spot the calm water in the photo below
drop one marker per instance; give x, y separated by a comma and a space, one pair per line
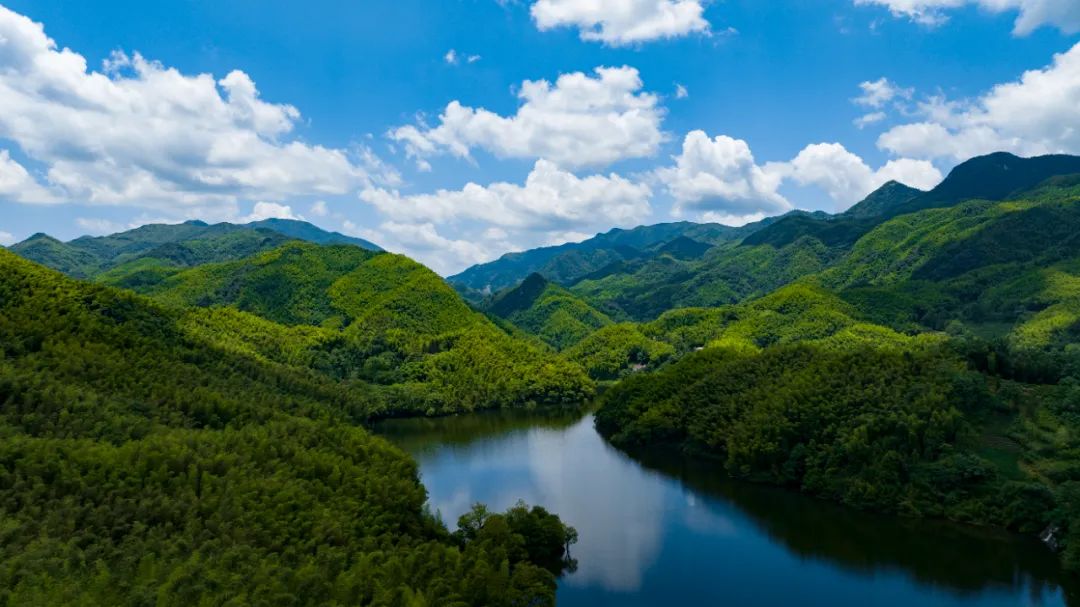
669, 532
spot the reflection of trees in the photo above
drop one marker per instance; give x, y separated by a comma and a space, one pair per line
417, 434
952, 557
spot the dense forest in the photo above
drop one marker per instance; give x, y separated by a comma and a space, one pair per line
183, 412
148, 460
916, 354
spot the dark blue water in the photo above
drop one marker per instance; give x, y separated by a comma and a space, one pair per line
663, 531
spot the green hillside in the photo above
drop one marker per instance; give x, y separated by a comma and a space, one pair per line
136, 255
568, 263
146, 462
925, 367
801, 245
882, 201
548, 311
384, 319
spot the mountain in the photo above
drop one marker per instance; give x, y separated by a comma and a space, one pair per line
383, 319
88, 256
997, 176
920, 370
548, 311
882, 201
682, 247
803, 244
566, 264
178, 467
50, 252
302, 230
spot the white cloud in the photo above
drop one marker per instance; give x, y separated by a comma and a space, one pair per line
847, 179
99, 226
6, 238
579, 121
870, 119
502, 216
472, 58
1037, 114
623, 22
1063, 14
550, 199
877, 93
140, 133
270, 210
18, 185
319, 209
720, 176
681, 92
423, 242
451, 57
720, 180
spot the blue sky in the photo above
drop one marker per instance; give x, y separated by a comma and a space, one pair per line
722, 110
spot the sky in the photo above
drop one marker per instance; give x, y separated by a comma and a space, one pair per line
455, 131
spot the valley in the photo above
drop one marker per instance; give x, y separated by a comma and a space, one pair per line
186, 407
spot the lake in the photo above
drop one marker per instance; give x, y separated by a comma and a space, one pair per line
661, 530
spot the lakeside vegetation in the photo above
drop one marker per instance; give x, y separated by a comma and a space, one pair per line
144, 462
185, 422
921, 363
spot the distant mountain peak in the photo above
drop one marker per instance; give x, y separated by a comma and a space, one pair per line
303, 230
878, 202
684, 247
520, 297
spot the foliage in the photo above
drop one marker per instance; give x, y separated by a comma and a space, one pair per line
884, 428
148, 458
569, 263
382, 319
548, 311
169, 245
616, 350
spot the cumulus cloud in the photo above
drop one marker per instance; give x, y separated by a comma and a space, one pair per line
505, 216
6, 238
1063, 14
681, 92
581, 120
319, 209
1037, 114
876, 94
719, 179
846, 177
721, 176
422, 241
271, 210
139, 133
623, 22
18, 185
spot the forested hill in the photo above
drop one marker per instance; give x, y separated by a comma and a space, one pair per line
749, 262
804, 245
548, 311
567, 263
152, 455
927, 366
172, 245
379, 318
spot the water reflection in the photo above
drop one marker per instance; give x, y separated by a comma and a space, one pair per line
656, 529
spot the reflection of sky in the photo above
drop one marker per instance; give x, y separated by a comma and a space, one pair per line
646, 539
584, 480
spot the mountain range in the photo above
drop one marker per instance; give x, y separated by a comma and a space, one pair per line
173, 245
916, 354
